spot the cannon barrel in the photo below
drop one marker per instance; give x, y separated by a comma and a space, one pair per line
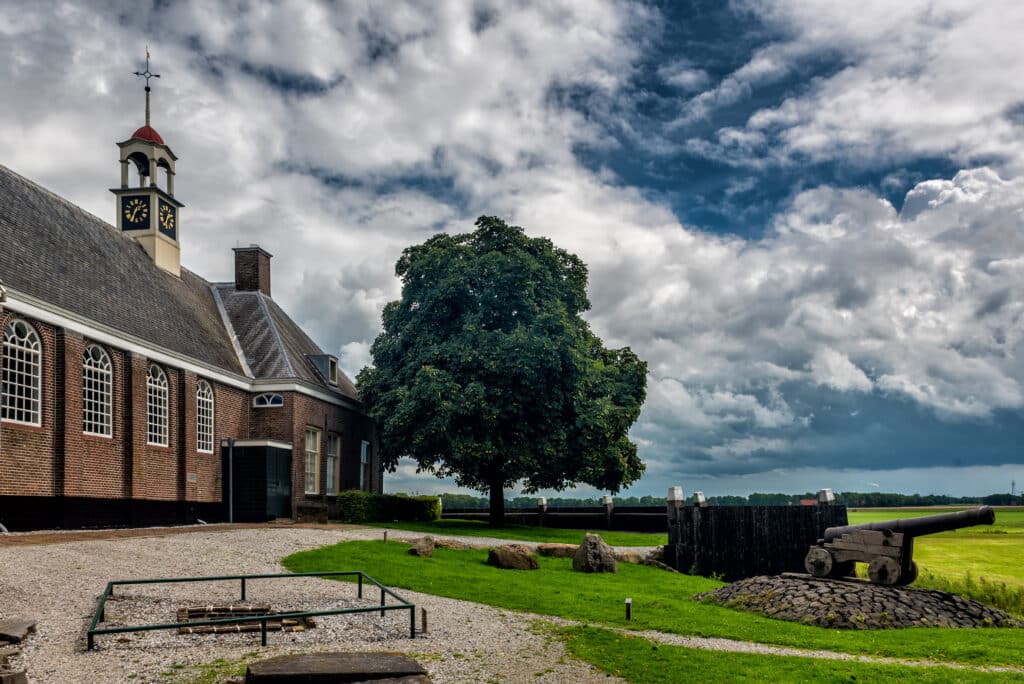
917, 527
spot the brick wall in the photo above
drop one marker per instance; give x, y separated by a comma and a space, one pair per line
93, 465
58, 459
26, 451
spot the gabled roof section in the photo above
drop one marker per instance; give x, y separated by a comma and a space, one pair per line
59, 254
274, 346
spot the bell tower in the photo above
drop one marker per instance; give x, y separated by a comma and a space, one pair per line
145, 210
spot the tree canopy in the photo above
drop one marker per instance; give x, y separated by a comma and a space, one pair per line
485, 370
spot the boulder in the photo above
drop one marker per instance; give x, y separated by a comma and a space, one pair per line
656, 554
557, 550
594, 556
629, 557
451, 544
422, 547
504, 557
519, 548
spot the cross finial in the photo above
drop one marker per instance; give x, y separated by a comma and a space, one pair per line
147, 74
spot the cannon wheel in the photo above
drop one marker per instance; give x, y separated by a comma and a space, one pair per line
884, 570
910, 576
844, 569
818, 562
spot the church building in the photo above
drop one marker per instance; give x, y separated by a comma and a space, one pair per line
136, 392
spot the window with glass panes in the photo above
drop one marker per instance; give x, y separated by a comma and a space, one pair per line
364, 465
312, 461
22, 375
156, 406
333, 459
204, 417
97, 392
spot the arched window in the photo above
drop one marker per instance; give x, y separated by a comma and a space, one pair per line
156, 406
97, 392
204, 417
22, 375
268, 401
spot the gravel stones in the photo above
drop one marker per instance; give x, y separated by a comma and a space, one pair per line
57, 584
854, 604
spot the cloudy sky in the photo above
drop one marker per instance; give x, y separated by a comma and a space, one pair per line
808, 217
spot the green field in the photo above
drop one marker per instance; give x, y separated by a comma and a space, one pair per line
985, 562
661, 601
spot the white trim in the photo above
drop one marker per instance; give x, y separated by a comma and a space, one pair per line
259, 442
292, 386
34, 308
28, 306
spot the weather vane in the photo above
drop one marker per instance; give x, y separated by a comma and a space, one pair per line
147, 74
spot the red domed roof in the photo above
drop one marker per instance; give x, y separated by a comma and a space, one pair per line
149, 134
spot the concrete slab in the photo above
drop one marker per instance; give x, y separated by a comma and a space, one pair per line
15, 630
337, 668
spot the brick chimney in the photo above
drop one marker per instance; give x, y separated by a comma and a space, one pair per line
252, 269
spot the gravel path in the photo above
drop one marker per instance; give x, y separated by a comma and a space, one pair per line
57, 585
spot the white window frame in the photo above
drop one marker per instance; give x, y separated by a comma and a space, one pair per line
97, 392
204, 417
312, 461
364, 465
333, 461
157, 406
22, 375
268, 400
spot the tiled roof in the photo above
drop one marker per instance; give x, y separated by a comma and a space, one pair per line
56, 252
60, 254
273, 344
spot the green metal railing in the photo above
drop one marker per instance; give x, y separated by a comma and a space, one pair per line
262, 619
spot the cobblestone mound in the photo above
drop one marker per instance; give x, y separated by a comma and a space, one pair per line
854, 604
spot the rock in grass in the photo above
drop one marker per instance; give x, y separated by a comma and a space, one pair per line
634, 557
594, 556
557, 550
422, 547
519, 548
506, 558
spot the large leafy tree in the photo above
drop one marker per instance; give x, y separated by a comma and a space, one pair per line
486, 372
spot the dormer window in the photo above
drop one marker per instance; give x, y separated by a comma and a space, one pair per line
268, 400
326, 366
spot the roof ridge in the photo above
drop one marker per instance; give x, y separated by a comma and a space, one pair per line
272, 326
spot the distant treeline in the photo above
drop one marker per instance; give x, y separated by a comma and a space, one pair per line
853, 499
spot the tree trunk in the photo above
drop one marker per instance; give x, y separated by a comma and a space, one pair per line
497, 510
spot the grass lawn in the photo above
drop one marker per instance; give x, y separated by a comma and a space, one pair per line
643, 662
477, 528
661, 601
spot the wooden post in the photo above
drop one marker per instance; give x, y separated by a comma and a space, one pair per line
629, 609
423, 620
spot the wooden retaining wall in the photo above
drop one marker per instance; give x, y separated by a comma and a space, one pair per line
624, 518
734, 542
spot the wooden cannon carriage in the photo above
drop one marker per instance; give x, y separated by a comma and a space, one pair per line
887, 547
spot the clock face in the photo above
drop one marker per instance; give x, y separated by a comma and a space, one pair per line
134, 212
168, 219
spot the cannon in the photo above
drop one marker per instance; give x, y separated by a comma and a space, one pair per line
887, 547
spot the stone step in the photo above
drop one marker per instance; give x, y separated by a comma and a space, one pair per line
15, 630
351, 668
